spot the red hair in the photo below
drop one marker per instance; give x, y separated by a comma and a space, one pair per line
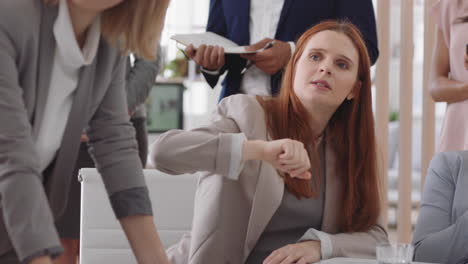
350, 133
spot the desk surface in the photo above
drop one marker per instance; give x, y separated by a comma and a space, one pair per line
356, 261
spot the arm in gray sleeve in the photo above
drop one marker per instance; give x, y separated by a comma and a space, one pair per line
113, 147
25, 211
52, 252
441, 231
140, 79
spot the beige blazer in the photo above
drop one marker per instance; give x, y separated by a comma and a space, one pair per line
230, 215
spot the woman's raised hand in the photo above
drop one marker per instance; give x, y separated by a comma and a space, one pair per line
286, 155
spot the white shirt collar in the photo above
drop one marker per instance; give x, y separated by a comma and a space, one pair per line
67, 45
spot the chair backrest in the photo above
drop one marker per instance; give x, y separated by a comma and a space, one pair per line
102, 239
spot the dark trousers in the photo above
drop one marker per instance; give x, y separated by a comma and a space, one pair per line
68, 225
9, 258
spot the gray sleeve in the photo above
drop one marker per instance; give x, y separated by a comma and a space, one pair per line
437, 238
140, 78
52, 252
129, 202
112, 142
25, 211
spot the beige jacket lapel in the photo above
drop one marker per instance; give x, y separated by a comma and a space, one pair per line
332, 193
267, 199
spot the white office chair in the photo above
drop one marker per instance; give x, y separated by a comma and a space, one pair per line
102, 238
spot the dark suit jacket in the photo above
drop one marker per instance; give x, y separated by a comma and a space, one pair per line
31, 200
230, 19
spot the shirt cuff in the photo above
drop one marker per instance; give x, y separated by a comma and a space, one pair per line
236, 165
326, 246
52, 252
134, 201
215, 72
292, 45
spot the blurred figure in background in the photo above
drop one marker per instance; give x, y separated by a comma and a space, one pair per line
441, 233
449, 74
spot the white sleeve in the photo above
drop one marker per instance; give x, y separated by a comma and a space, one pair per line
324, 238
236, 165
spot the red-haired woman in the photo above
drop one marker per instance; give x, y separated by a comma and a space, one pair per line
289, 179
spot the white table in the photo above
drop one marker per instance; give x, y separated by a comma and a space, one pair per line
356, 261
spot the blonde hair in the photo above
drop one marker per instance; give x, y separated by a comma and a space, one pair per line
134, 25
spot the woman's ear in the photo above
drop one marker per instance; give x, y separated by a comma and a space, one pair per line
354, 91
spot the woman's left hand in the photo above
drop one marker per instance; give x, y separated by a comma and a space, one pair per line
300, 253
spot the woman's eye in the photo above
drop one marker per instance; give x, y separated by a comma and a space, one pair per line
314, 57
342, 65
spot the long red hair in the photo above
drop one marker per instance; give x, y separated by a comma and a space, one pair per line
350, 133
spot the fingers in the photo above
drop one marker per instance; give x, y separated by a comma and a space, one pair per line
292, 151
275, 257
281, 256
295, 160
288, 156
199, 59
270, 60
294, 253
220, 56
209, 57
303, 260
259, 56
288, 260
258, 45
263, 59
274, 59
213, 56
190, 51
252, 57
